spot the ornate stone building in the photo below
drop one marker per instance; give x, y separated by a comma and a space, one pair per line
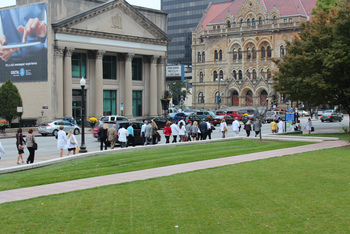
119, 49
233, 47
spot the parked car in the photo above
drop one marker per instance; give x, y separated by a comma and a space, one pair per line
193, 117
235, 114
247, 114
159, 120
113, 118
331, 116
205, 114
53, 127
217, 120
280, 109
220, 112
303, 113
275, 115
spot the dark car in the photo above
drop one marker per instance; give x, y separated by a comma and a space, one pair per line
159, 120
331, 116
193, 118
217, 120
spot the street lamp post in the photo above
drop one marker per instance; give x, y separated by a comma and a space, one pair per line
82, 146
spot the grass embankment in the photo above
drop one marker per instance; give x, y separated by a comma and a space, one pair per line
303, 193
341, 136
137, 160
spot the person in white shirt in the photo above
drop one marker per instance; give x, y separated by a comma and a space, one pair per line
143, 132
181, 121
223, 127
280, 126
122, 137
236, 127
182, 132
174, 131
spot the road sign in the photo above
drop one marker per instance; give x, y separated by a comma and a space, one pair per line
290, 117
290, 109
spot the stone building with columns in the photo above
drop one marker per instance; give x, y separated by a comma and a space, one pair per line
118, 48
233, 48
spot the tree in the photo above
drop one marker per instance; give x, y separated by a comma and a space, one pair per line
178, 88
10, 99
325, 5
316, 68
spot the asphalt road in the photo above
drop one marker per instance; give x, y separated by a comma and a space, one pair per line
48, 144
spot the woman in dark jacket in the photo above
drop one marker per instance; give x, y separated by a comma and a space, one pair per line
248, 127
102, 133
20, 145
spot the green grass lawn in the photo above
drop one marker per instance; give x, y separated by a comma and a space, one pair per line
341, 136
137, 160
302, 193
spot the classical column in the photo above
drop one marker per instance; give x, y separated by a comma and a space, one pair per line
67, 83
99, 84
153, 87
128, 86
161, 82
58, 95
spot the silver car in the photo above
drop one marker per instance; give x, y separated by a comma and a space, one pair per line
54, 126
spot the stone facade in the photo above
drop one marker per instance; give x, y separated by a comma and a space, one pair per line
232, 54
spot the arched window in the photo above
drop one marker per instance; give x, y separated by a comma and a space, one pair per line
282, 50
234, 55
248, 22
220, 55
217, 97
234, 23
201, 97
240, 75
242, 23
260, 21
268, 49
262, 52
254, 74
199, 57
274, 20
221, 75
215, 75
216, 55
263, 98
249, 54
254, 53
248, 74
253, 22
268, 74
203, 57
239, 54
234, 74
228, 24
201, 77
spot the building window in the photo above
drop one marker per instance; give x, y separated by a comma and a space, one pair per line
274, 21
239, 54
234, 55
110, 67
268, 52
260, 21
285, 20
234, 74
215, 75
254, 74
199, 57
78, 65
262, 74
249, 54
136, 103
201, 97
220, 55
137, 69
254, 53
242, 23
290, 20
253, 22
248, 74
262, 52
216, 55
248, 22
282, 50
240, 75
203, 57
217, 97
228, 24
201, 77
109, 102
221, 75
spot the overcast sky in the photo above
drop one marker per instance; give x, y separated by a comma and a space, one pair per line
155, 4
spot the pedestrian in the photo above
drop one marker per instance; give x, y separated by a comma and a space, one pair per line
122, 136
194, 131
112, 135
203, 127
175, 131
30, 140
188, 130
143, 132
2, 150
61, 140
148, 134
293, 127
280, 126
182, 132
256, 127
248, 127
72, 142
210, 129
273, 126
236, 127
20, 142
223, 128
131, 137
181, 121
154, 132
167, 132
103, 135
298, 127
308, 125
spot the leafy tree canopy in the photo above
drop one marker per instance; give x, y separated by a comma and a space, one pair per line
10, 99
325, 5
178, 88
317, 66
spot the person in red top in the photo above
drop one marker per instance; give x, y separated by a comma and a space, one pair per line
167, 131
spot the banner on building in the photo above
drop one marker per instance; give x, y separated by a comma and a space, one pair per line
23, 43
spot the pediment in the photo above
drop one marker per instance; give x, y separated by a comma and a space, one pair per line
250, 7
112, 19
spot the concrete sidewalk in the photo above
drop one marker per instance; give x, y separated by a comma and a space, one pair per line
69, 186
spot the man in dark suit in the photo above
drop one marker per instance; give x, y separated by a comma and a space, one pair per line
203, 127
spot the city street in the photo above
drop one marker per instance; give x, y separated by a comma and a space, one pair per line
48, 144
